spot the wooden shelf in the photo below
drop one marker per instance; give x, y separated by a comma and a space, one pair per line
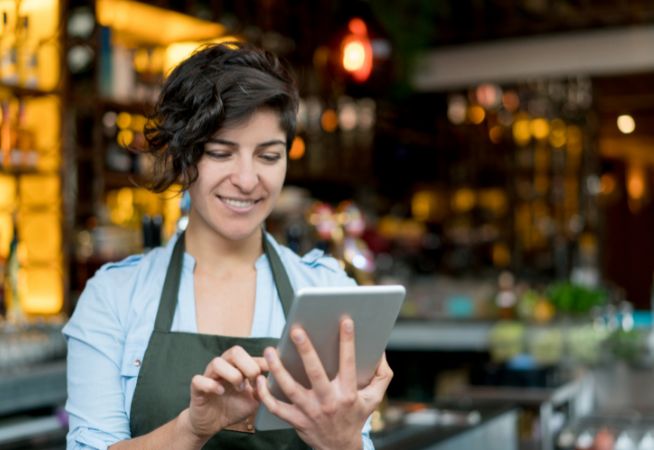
16, 171
117, 180
132, 107
21, 91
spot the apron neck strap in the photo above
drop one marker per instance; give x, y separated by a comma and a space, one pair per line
169, 294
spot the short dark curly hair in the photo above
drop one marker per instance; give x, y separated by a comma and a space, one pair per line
218, 85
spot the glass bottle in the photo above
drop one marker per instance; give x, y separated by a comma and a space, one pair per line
3, 280
26, 153
6, 135
12, 291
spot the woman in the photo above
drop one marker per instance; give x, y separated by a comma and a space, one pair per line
165, 349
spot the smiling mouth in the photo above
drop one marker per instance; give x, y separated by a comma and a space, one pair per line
238, 203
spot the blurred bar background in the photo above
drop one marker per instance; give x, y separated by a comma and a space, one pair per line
495, 157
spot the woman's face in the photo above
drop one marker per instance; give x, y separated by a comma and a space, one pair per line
240, 177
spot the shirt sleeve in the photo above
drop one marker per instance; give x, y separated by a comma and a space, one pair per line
95, 405
365, 436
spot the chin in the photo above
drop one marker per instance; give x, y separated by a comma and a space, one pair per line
238, 234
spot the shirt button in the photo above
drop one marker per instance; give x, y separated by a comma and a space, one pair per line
137, 362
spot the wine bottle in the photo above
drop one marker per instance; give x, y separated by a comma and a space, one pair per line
26, 154
12, 292
3, 281
6, 138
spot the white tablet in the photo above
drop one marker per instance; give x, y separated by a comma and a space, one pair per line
319, 310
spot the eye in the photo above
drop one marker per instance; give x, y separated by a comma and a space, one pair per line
218, 154
270, 157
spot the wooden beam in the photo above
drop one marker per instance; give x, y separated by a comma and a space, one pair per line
599, 52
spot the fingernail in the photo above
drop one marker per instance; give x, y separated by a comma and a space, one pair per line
260, 380
241, 386
268, 354
348, 325
297, 336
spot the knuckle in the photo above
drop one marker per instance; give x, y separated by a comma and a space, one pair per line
350, 398
313, 372
293, 393
273, 408
217, 362
329, 408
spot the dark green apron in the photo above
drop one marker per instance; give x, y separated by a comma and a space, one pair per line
173, 358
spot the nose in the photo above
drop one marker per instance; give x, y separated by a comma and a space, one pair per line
245, 176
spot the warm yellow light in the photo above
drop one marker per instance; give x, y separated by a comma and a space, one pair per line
540, 128
124, 120
6, 230
40, 191
148, 24
557, 133
354, 56
607, 183
464, 200
177, 52
41, 236
171, 210
476, 114
329, 120
138, 122
421, 205
44, 114
43, 25
626, 124
7, 193
521, 130
636, 182
297, 149
494, 200
125, 138
43, 290
141, 60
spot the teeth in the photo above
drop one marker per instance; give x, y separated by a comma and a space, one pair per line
238, 203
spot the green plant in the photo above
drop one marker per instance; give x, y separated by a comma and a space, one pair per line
575, 299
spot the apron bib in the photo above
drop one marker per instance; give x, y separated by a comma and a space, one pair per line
173, 358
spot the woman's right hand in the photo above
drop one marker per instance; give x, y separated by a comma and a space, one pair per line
224, 395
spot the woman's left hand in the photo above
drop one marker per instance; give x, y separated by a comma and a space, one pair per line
331, 414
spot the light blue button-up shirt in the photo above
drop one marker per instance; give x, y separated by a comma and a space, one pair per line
114, 318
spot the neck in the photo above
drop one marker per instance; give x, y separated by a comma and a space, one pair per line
218, 253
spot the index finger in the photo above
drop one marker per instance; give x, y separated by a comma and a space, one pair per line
347, 371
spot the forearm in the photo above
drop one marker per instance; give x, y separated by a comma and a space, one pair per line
174, 435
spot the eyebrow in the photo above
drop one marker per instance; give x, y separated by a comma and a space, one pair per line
234, 144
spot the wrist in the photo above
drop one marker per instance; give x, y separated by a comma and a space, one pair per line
357, 444
186, 429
